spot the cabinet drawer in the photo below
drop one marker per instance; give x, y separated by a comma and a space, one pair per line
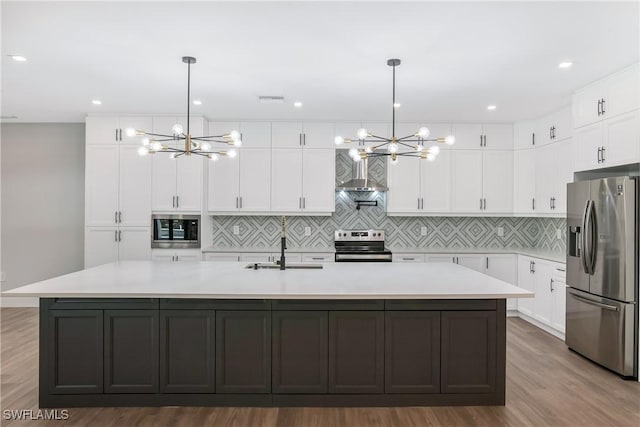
214, 304
99, 303
408, 258
479, 304
337, 305
318, 257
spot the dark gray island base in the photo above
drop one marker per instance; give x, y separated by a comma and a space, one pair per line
206, 352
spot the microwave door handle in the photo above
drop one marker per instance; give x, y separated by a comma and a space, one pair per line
584, 252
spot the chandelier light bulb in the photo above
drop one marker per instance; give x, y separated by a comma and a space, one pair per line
205, 146
146, 141
353, 152
368, 149
362, 133
419, 147
435, 150
130, 132
339, 140
431, 157
392, 148
237, 142
156, 146
174, 155
450, 140
393, 159
424, 132
177, 129
213, 157
232, 153
143, 151
235, 135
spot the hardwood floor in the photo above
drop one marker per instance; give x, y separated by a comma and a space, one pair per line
547, 385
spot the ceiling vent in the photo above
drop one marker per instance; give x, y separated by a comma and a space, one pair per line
271, 99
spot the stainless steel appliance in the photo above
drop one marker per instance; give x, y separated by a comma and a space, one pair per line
602, 272
175, 231
361, 246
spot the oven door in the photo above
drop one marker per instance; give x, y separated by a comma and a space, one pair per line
175, 231
363, 257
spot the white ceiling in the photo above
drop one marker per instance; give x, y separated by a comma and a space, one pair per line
456, 58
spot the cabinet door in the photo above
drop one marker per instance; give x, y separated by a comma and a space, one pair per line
134, 244
587, 141
286, 179
473, 261
546, 175
163, 185
404, 186
75, 357
222, 257
224, 184
319, 135
101, 183
102, 130
412, 352
135, 188
561, 121
435, 183
497, 181
100, 246
502, 267
468, 136
408, 257
585, 104
439, 258
300, 351
543, 130
243, 352
622, 92
189, 256
318, 180
187, 339
467, 180
469, 351
524, 182
131, 352
286, 135
622, 139
356, 352
498, 136
163, 256
561, 152
256, 257
525, 281
189, 182
315, 258
543, 303
136, 123
523, 134
255, 179
256, 134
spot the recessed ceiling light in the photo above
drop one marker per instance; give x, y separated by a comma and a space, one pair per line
96, 102
197, 102
18, 58
297, 104
565, 64
396, 105
491, 107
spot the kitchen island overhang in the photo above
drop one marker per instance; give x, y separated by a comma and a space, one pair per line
215, 334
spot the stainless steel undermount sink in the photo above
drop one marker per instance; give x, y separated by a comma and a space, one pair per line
274, 266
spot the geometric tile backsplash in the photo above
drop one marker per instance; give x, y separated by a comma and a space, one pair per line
442, 232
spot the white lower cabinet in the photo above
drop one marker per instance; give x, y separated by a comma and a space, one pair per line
171, 255
109, 244
505, 268
546, 280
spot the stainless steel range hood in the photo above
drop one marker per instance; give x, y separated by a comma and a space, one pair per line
361, 181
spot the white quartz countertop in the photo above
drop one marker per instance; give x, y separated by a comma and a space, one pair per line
267, 249
555, 256
147, 279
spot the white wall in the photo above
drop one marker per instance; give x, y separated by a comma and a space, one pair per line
42, 208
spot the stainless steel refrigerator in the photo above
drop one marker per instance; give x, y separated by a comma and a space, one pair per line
602, 272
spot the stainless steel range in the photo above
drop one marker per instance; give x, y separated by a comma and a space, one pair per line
361, 246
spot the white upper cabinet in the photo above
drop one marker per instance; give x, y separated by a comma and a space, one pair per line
224, 184
286, 185
101, 185
497, 181
302, 135
404, 186
255, 180
468, 136
554, 127
286, 134
112, 130
524, 171
524, 134
319, 180
318, 135
609, 97
621, 142
256, 134
164, 181
467, 181
587, 142
134, 188
553, 171
497, 136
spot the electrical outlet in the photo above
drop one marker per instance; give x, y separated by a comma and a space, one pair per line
307, 231
236, 229
423, 231
500, 231
558, 234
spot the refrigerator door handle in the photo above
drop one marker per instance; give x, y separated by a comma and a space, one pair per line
596, 303
585, 247
593, 231
590, 236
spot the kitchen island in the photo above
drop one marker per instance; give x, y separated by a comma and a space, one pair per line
213, 334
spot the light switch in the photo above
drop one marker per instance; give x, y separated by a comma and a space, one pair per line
500, 231
307, 231
236, 229
423, 231
558, 234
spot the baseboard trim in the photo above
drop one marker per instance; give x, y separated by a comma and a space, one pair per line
542, 326
6, 301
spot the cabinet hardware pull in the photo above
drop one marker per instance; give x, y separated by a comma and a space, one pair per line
173, 201
421, 203
533, 203
485, 205
551, 285
236, 203
177, 201
116, 217
304, 203
115, 235
304, 139
603, 159
533, 138
480, 140
485, 140
406, 259
487, 264
119, 235
299, 202
300, 139
551, 133
533, 263
120, 217
599, 107
240, 202
317, 258
481, 204
603, 111
599, 152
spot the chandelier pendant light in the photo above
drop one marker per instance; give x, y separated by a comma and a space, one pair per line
407, 146
193, 145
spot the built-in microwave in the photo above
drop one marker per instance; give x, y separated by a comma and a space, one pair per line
175, 231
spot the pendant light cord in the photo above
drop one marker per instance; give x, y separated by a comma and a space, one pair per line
188, 95
393, 106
